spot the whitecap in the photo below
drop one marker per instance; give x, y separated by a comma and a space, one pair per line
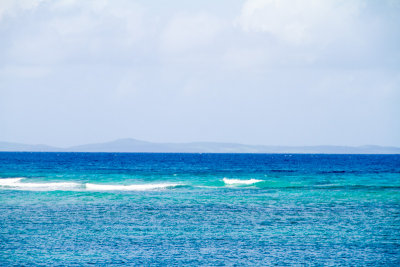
15, 183
133, 187
10, 181
241, 182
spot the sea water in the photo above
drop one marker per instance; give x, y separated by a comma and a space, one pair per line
199, 209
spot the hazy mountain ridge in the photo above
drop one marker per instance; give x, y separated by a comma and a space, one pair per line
133, 145
9, 146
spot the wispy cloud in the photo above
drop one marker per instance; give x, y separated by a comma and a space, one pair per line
251, 71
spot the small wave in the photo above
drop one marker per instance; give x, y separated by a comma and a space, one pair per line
278, 170
241, 182
133, 187
326, 185
336, 172
10, 181
356, 187
15, 183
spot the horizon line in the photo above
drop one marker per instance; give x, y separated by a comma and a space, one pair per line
193, 142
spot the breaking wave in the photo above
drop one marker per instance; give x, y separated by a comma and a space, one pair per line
17, 184
133, 187
241, 182
26, 184
10, 181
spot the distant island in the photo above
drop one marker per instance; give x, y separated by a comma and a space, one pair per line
130, 145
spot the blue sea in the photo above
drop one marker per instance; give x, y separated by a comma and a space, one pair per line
199, 209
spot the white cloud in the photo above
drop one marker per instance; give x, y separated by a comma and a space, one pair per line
245, 58
12, 7
186, 32
251, 69
299, 21
72, 30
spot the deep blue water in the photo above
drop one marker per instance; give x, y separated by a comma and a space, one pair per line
199, 209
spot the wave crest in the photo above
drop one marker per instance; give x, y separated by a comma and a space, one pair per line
15, 183
10, 181
134, 187
241, 182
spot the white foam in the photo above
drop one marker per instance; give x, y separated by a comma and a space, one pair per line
15, 183
10, 181
135, 187
240, 182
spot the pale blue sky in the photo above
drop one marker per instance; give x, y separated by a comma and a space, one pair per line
289, 72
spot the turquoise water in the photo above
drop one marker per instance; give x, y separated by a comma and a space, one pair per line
199, 209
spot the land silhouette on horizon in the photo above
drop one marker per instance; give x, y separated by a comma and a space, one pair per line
130, 145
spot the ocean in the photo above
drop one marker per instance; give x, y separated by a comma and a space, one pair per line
199, 209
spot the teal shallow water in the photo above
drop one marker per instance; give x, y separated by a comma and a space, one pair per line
175, 209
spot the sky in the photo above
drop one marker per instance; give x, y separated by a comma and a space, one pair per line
267, 72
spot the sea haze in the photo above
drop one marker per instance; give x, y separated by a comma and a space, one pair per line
130, 145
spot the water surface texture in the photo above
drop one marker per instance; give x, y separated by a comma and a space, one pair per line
199, 209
